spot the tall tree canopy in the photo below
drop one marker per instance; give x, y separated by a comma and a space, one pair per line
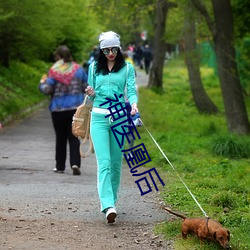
126, 17
27, 32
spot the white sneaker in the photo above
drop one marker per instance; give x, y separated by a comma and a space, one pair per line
111, 214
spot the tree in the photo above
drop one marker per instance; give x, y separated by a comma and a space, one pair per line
128, 18
241, 17
28, 33
201, 99
242, 33
223, 38
159, 44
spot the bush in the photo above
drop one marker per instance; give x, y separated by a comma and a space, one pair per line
19, 88
223, 200
231, 146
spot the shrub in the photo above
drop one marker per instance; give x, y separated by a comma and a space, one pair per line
230, 146
223, 200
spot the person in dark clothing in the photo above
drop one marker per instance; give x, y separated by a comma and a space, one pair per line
147, 55
65, 83
138, 55
93, 55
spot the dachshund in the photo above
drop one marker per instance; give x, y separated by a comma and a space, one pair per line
204, 229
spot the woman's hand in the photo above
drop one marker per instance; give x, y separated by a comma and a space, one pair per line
43, 79
90, 91
134, 109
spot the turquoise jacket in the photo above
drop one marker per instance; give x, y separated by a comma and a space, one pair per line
106, 86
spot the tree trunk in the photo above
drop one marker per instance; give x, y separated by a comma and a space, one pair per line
235, 109
159, 46
223, 38
201, 99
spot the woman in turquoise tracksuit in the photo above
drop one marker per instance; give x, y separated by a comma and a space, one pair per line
108, 76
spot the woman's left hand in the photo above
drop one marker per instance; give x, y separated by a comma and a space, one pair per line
134, 109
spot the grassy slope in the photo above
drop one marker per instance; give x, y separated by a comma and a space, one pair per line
220, 184
19, 88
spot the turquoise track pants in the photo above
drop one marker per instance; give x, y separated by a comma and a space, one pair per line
109, 158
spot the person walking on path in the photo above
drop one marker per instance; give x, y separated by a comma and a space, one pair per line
108, 76
147, 54
65, 84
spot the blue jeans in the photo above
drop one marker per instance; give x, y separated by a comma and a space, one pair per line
108, 156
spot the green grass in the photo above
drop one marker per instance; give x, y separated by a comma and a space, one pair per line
19, 88
214, 164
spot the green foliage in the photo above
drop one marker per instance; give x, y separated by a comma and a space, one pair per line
231, 146
241, 17
243, 59
29, 33
170, 230
128, 18
175, 25
224, 200
219, 183
19, 87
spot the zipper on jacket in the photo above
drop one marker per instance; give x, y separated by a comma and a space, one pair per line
109, 84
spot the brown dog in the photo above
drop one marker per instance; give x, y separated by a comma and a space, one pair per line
204, 229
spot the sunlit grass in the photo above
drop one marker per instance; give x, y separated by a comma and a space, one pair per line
190, 140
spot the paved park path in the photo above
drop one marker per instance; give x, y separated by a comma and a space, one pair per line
40, 209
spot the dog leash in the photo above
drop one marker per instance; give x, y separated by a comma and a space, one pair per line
175, 170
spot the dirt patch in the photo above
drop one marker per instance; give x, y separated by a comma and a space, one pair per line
40, 209
57, 235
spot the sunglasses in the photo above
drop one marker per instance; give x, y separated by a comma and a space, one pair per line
106, 51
